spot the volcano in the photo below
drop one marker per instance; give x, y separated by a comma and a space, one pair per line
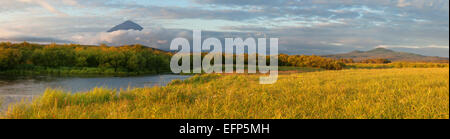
127, 25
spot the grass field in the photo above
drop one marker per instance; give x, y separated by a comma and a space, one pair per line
407, 93
396, 65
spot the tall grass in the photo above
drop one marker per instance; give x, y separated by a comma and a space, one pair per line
409, 93
1, 101
397, 65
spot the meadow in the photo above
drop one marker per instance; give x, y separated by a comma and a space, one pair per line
395, 93
396, 65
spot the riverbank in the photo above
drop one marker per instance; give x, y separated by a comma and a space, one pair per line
15, 88
408, 93
78, 71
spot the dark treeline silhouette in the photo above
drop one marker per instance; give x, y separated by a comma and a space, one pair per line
135, 58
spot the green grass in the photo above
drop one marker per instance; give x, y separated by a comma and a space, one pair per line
408, 93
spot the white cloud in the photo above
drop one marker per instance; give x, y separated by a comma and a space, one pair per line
413, 46
438, 46
45, 4
306, 26
154, 37
403, 3
7, 33
71, 2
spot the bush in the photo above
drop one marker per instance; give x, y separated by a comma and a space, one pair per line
310, 61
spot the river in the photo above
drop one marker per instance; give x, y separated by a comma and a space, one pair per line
16, 88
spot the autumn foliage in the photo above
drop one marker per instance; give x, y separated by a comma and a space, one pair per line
310, 61
125, 58
128, 58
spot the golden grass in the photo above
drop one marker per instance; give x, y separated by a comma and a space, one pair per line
398, 65
409, 93
1, 101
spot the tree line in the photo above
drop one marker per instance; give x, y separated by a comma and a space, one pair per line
310, 61
130, 58
367, 61
288, 60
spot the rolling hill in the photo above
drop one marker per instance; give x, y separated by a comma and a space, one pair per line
387, 54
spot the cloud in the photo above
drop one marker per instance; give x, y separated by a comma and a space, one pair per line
414, 46
35, 39
157, 12
16, 36
403, 3
429, 50
442, 52
153, 37
241, 2
303, 26
49, 7
7, 33
71, 2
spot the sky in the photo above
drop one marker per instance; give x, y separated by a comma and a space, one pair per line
303, 26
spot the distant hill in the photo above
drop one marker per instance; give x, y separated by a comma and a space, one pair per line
387, 54
127, 25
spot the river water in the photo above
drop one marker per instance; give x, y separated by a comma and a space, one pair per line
16, 88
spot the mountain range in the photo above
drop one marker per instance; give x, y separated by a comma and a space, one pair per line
356, 55
387, 54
